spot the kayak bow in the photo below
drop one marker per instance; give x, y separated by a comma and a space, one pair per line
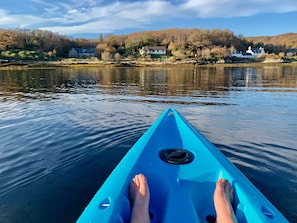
182, 168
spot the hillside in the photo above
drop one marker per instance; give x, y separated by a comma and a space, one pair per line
287, 40
180, 44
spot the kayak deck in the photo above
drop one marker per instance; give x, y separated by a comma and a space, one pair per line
182, 168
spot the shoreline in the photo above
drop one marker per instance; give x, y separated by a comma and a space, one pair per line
125, 63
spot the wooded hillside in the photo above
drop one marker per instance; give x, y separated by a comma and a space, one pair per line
37, 44
282, 42
180, 43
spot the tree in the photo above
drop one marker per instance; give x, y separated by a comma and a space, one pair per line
106, 55
11, 40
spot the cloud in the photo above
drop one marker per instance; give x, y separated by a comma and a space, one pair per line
111, 17
95, 16
8, 20
236, 8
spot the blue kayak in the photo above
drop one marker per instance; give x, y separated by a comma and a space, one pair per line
182, 168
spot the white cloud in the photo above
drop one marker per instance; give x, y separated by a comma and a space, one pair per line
93, 16
236, 8
17, 21
115, 16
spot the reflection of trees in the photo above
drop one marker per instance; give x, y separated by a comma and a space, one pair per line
263, 76
167, 81
24, 81
179, 80
280, 76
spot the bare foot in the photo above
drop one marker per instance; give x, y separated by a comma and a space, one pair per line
223, 198
140, 196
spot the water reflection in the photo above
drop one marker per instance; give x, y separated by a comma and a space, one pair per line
64, 130
264, 76
174, 81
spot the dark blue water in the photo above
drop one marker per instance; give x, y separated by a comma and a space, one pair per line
62, 131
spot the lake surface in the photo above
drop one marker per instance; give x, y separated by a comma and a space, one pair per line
63, 130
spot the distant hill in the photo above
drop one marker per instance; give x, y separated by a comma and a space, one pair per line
287, 40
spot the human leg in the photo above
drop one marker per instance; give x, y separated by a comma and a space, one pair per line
140, 196
223, 198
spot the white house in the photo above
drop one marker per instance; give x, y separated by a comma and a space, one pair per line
242, 55
250, 53
256, 51
81, 52
153, 50
291, 52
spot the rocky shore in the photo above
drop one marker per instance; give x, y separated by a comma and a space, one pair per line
133, 63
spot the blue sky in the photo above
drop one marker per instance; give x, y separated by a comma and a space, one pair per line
90, 18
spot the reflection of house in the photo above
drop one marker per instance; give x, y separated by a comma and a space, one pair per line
153, 50
81, 52
250, 53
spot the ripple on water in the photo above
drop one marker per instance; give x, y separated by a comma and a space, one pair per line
35, 146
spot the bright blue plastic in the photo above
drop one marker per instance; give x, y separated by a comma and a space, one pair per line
179, 193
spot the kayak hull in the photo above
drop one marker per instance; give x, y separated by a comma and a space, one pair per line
182, 168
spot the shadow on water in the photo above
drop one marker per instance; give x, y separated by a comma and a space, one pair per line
64, 130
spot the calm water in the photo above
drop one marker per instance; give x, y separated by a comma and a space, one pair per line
63, 130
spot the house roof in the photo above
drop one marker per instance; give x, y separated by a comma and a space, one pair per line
256, 50
85, 50
292, 50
